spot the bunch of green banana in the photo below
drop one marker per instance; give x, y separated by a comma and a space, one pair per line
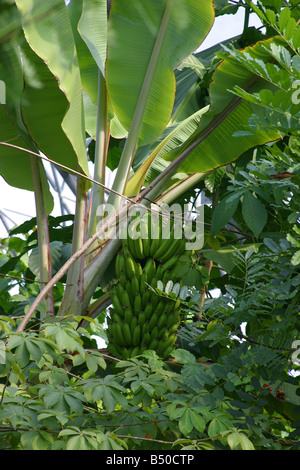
140, 319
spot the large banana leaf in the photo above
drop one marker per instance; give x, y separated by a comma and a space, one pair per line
15, 166
12, 128
218, 142
87, 63
93, 30
48, 31
89, 23
43, 110
171, 138
186, 113
146, 41
192, 77
211, 152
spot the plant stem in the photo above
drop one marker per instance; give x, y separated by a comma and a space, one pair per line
246, 19
180, 188
43, 234
100, 154
74, 292
96, 308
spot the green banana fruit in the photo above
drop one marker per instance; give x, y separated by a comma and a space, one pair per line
155, 223
119, 289
153, 282
113, 350
117, 264
146, 339
139, 248
137, 303
127, 334
170, 252
134, 238
162, 248
131, 246
170, 263
153, 321
118, 334
146, 297
159, 271
125, 299
162, 320
144, 328
150, 268
135, 287
136, 336
154, 333
162, 333
116, 349
155, 299
159, 308
141, 318
168, 351
128, 316
123, 280
148, 311
135, 351
166, 277
125, 353
153, 344
146, 245
116, 318
173, 319
164, 345
173, 328
168, 307
133, 323
116, 303
120, 263
130, 266
143, 280
154, 245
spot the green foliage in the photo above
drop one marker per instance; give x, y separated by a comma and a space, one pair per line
222, 388
278, 102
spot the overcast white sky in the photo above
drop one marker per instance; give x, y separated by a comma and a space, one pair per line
19, 204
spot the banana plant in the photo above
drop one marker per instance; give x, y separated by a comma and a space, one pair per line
115, 70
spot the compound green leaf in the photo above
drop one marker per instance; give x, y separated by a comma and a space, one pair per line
223, 213
254, 213
206, 147
185, 423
